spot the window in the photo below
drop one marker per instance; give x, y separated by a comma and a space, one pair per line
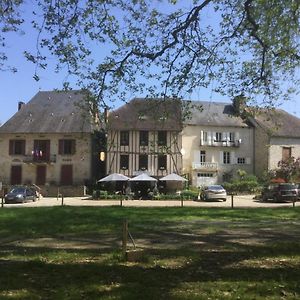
241, 160
162, 138
41, 150
124, 162
231, 136
124, 138
205, 174
143, 162
67, 147
17, 147
144, 138
162, 162
226, 157
204, 136
202, 156
286, 153
218, 137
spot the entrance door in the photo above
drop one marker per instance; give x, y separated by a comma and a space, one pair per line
66, 175
16, 175
40, 175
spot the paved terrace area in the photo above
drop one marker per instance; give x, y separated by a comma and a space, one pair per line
239, 201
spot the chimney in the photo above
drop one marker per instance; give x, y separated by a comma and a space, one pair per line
20, 105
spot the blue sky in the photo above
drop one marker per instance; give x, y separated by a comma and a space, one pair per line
21, 86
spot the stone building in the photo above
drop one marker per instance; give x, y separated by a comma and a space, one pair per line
276, 138
50, 142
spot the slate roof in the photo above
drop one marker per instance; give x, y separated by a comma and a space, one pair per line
147, 114
207, 113
51, 112
278, 123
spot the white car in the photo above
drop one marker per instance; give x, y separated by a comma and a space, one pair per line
213, 192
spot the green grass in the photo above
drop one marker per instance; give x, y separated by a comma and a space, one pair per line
188, 253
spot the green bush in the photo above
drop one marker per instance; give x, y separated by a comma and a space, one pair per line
102, 194
248, 184
189, 194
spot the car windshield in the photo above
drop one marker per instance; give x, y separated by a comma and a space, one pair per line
287, 187
18, 190
215, 187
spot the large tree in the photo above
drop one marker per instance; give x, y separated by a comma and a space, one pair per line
120, 48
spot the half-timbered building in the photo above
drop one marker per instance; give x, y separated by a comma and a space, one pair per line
144, 136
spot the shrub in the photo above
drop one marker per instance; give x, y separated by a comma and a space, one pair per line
248, 184
102, 194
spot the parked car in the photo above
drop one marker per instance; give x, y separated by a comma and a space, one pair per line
298, 188
213, 192
280, 192
20, 194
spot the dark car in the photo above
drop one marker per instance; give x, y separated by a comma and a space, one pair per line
280, 192
298, 188
20, 194
213, 192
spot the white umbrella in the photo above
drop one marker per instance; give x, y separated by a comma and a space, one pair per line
114, 177
143, 177
173, 177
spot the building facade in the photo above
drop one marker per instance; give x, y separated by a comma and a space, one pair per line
143, 136
277, 137
48, 142
216, 143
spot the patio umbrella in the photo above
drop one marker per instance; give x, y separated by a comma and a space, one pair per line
143, 177
173, 177
114, 177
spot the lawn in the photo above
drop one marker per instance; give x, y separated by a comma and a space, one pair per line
186, 253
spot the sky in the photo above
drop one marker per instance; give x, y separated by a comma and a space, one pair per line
21, 86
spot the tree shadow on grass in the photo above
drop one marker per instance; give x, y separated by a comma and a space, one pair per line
177, 265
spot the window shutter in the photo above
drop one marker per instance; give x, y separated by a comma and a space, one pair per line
73, 146
209, 138
23, 147
60, 146
214, 137
221, 158
11, 146
232, 158
201, 137
248, 160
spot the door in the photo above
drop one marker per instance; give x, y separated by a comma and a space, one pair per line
66, 175
41, 175
16, 175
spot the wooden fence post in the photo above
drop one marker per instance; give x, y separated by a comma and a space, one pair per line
125, 237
